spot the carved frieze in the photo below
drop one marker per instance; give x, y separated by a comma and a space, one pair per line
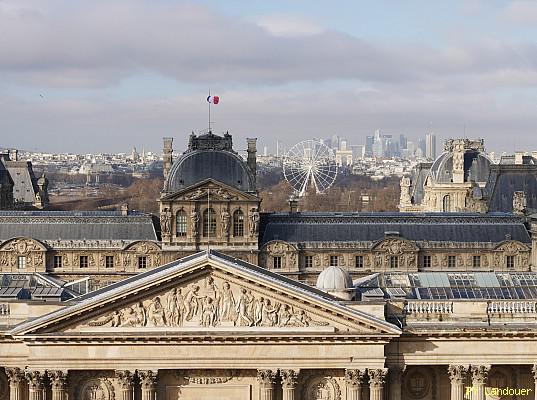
209, 304
396, 246
322, 388
212, 377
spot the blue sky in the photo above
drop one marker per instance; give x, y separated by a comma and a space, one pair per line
108, 75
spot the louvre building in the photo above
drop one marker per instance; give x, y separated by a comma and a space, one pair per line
215, 299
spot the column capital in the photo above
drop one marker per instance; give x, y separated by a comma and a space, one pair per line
36, 379
15, 375
148, 379
354, 377
289, 377
480, 374
377, 377
266, 376
457, 373
125, 379
58, 379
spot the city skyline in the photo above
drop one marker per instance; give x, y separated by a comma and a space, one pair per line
95, 77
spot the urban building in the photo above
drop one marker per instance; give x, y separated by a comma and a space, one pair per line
6, 188
430, 146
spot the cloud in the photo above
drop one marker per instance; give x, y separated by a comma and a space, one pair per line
288, 25
521, 12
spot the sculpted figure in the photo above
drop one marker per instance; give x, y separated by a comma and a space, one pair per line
259, 305
242, 309
224, 217
194, 220
175, 308
156, 312
140, 315
191, 302
165, 221
254, 221
208, 313
284, 315
269, 314
227, 303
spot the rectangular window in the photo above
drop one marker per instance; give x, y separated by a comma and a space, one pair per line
426, 261
142, 262
180, 223
359, 261
276, 262
451, 262
22, 262
333, 261
83, 261
510, 262
308, 261
394, 262
57, 261
109, 262
476, 262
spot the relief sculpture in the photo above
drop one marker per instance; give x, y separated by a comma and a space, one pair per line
208, 304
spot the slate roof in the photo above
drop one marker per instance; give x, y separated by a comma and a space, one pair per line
507, 179
354, 227
33, 286
77, 225
419, 175
25, 182
5, 178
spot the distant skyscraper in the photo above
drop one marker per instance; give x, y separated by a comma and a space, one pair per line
430, 146
402, 142
378, 145
369, 146
421, 146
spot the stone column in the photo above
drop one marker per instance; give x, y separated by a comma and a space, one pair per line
377, 379
36, 385
266, 378
16, 383
479, 381
457, 376
148, 382
395, 377
289, 381
534, 370
125, 380
354, 379
58, 382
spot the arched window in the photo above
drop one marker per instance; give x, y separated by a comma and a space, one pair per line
446, 203
180, 223
238, 223
209, 223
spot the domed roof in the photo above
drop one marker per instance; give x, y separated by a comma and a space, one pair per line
334, 279
210, 156
476, 167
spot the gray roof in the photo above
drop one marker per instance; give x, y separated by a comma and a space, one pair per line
25, 182
354, 227
418, 177
476, 167
77, 225
507, 179
5, 177
32, 286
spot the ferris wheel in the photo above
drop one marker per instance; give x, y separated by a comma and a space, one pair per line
310, 163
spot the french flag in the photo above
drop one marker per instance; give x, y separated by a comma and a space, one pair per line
213, 99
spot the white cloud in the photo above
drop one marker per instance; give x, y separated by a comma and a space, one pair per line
288, 25
522, 12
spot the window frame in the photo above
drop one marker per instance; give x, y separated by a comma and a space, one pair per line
57, 261
238, 223
334, 257
359, 261
308, 261
21, 262
181, 223
83, 261
276, 262
476, 261
142, 262
394, 262
108, 265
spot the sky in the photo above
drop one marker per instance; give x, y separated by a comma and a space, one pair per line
107, 75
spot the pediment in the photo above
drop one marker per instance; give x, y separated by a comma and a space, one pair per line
512, 247
395, 246
22, 245
206, 293
217, 191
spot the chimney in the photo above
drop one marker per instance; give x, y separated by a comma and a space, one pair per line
293, 205
14, 155
167, 156
125, 209
519, 160
252, 151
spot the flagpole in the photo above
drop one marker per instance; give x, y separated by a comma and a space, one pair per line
208, 222
209, 98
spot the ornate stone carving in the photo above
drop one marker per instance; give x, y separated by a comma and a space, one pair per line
208, 305
457, 374
418, 385
396, 246
165, 222
254, 221
479, 374
322, 388
224, 218
266, 376
58, 379
377, 377
125, 379
194, 221
534, 371
289, 378
354, 377
15, 375
148, 379
90, 385
519, 202
36, 380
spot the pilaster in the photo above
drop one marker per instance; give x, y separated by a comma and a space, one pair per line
377, 379
125, 380
36, 385
16, 383
266, 378
148, 383
395, 379
58, 380
479, 381
289, 382
354, 379
457, 376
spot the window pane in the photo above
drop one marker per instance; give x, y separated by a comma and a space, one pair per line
238, 223
180, 223
209, 222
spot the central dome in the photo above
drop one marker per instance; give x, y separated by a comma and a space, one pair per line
334, 279
210, 156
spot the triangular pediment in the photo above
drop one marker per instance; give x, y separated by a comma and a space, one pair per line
207, 292
217, 191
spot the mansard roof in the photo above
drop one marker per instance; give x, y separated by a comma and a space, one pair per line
505, 179
355, 227
77, 225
